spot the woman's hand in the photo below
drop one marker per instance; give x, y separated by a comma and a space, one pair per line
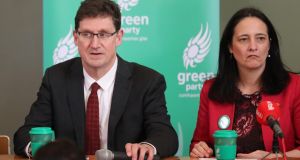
258, 154
201, 150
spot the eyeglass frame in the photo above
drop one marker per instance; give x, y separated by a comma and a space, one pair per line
98, 35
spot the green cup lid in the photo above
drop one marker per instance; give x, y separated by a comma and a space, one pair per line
41, 130
225, 134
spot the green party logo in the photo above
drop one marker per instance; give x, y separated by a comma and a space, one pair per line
197, 48
195, 53
65, 49
133, 24
127, 4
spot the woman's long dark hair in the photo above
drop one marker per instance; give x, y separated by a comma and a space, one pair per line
274, 78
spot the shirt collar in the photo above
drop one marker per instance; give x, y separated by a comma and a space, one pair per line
105, 81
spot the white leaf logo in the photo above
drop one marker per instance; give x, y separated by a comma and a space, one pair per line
197, 48
127, 4
180, 140
65, 49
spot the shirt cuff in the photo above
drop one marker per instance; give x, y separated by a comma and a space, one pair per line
28, 150
155, 152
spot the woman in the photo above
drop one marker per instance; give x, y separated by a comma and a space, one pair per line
250, 71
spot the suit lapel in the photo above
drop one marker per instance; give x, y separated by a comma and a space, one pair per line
121, 92
75, 94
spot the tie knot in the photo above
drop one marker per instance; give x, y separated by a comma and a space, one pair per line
95, 87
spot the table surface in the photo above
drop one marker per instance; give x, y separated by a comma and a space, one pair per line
14, 157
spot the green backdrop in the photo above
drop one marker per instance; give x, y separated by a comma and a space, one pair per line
178, 38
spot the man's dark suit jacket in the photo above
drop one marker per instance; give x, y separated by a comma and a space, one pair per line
138, 110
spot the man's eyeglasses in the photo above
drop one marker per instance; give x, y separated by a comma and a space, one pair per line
100, 35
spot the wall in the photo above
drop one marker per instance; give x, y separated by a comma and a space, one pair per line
21, 60
21, 49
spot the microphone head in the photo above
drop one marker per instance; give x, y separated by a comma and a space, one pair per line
104, 154
266, 109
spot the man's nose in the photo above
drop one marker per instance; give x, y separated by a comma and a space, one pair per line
95, 41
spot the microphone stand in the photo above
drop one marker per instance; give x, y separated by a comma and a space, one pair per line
275, 145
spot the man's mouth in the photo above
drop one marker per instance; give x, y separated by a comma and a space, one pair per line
96, 53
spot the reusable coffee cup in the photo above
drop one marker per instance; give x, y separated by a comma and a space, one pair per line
40, 136
225, 144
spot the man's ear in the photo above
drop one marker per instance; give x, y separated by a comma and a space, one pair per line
119, 37
75, 35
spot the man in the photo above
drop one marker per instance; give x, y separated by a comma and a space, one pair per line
131, 114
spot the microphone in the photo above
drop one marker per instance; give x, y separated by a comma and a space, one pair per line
267, 113
105, 154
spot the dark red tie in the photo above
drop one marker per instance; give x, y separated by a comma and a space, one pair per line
92, 134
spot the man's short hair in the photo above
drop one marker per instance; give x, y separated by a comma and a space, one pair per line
102, 8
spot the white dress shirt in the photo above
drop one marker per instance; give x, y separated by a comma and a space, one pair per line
105, 92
